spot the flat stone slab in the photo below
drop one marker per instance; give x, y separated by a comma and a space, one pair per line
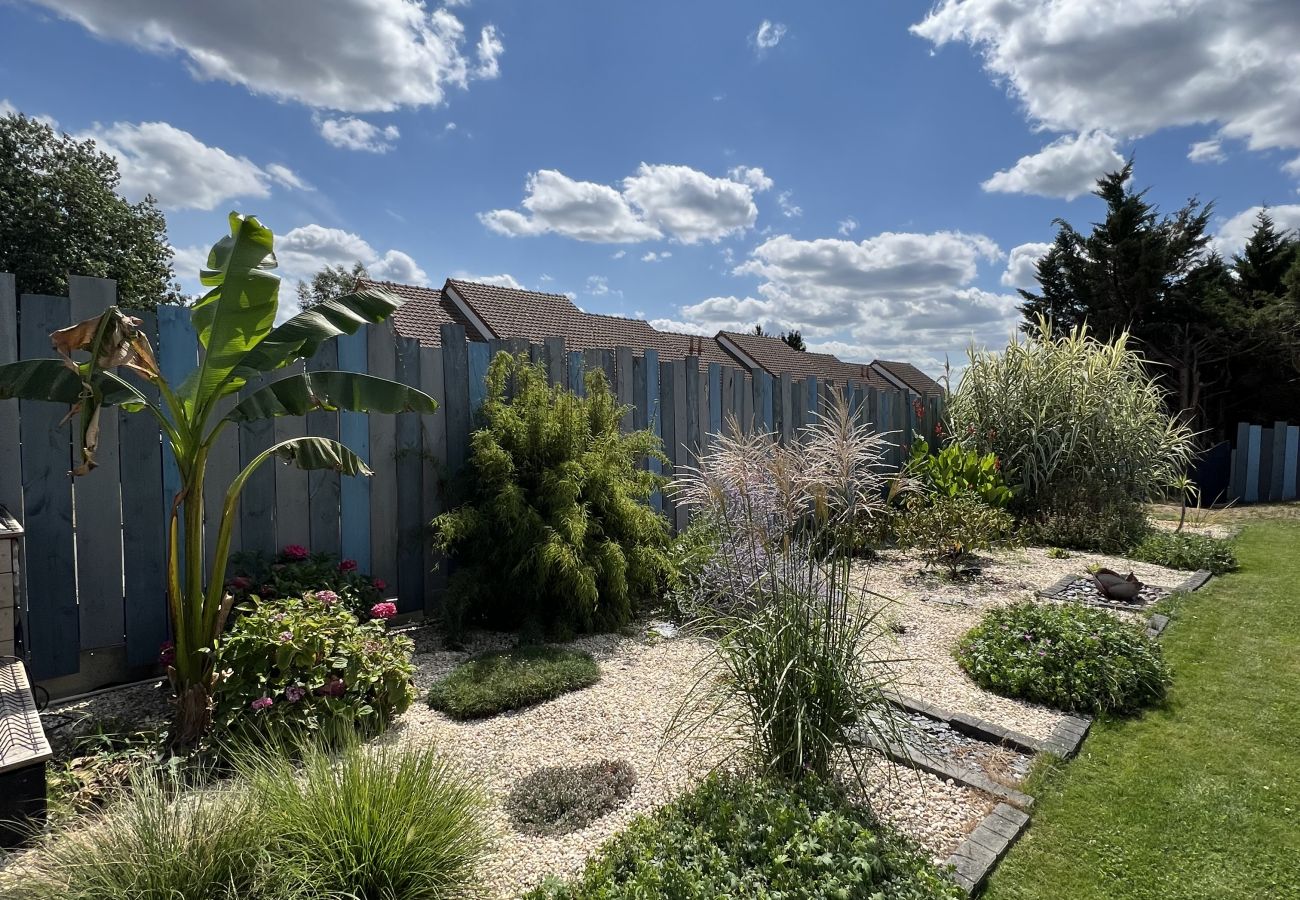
977, 856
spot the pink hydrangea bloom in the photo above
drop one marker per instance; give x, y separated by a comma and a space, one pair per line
379, 584
383, 610
286, 637
261, 703
348, 565
294, 693
295, 552
329, 598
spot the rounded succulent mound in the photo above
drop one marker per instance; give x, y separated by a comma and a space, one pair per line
1067, 656
560, 799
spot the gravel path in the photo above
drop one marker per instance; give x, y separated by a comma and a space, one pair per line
933, 613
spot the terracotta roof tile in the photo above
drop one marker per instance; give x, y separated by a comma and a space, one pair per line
777, 357
511, 313
910, 375
425, 311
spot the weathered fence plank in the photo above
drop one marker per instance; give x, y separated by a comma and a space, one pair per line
1290, 452
434, 439
381, 351
694, 432
479, 360
223, 466
177, 355
11, 470
54, 626
557, 361
292, 504
1252, 463
455, 412
649, 401
325, 488
410, 486
98, 503
622, 385
257, 501
354, 433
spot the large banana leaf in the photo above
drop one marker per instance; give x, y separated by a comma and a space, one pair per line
318, 453
301, 336
51, 380
238, 312
300, 394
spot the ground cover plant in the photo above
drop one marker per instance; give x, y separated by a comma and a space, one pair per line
503, 680
948, 529
1068, 656
296, 571
1081, 431
1197, 798
554, 532
1186, 551
297, 666
560, 799
235, 324
732, 837
798, 664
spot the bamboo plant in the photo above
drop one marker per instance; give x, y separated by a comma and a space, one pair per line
235, 324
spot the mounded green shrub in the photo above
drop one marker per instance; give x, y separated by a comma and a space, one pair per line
732, 837
1081, 430
947, 529
560, 799
1186, 551
957, 470
1068, 656
554, 531
305, 665
492, 683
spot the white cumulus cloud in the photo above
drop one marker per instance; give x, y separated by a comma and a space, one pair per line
1207, 152
1233, 233
1067, 167
768, 35
1021, 262
348, 55
351, 133
847, 226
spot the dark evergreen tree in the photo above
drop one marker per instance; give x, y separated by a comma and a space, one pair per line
60, 214
794, 340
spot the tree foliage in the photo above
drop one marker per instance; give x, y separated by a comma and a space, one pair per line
794, 340
1213, 331
328, 283
60, 214
555, 531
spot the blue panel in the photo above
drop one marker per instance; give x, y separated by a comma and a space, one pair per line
177, 357
1289, 455
354, 493
478, 366
654, 416
763, 400
814, 401
1252, 463
577, 371
715, 398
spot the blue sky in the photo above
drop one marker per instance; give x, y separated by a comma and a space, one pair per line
880, 174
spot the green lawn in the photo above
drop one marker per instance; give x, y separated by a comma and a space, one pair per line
1200, 799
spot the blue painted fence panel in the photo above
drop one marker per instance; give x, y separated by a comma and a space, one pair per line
354, 432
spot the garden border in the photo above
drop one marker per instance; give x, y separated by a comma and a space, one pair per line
1064, 740
1056, 589
986, 845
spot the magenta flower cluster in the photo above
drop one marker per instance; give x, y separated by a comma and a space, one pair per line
385, 610
295, 552
261, 703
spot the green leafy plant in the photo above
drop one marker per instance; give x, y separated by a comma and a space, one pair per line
296, 666
561, 799
1081, 430
235, 322
947, 529
295, 571
555, 530
1058, 553
731, 837
371, 822
797, 667
496, 682
1186, 551
1068, 656
957, 470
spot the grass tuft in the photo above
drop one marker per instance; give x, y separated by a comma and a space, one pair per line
497, 682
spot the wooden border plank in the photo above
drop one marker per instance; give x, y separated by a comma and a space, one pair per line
257, 501
410, 481
381, 350
292, 503
325, 488
354, 433
434, 438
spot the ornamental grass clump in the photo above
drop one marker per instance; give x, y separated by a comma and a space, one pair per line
798, 667
554, 532
1068, 656
1081, 431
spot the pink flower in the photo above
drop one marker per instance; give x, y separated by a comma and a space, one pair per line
295, 552
167, 653
294, 693
329, 598
286, 637
261, 703
383, 610
379, 584
348, 565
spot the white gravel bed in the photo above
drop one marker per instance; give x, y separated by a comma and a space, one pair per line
625, 715
934, 613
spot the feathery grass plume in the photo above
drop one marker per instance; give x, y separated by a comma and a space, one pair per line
800, 662
1080, 428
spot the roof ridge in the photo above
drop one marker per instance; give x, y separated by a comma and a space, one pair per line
519, 290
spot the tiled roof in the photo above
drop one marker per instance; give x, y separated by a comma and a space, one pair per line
910, 375
511, 313
423, 313
777, 357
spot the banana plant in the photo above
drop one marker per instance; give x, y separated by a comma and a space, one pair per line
235, 323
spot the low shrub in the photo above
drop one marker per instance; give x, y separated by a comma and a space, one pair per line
303, 664
731, 837
956, 470
560, 799
295, 571
1186, 551
371, 823
496, 682
1068, 656
948, 529
553, 531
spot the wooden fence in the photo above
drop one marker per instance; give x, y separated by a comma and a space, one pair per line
94, 610
1265, 463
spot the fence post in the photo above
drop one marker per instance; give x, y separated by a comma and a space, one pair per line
354, 432
409, 472
325, 488
292, 484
